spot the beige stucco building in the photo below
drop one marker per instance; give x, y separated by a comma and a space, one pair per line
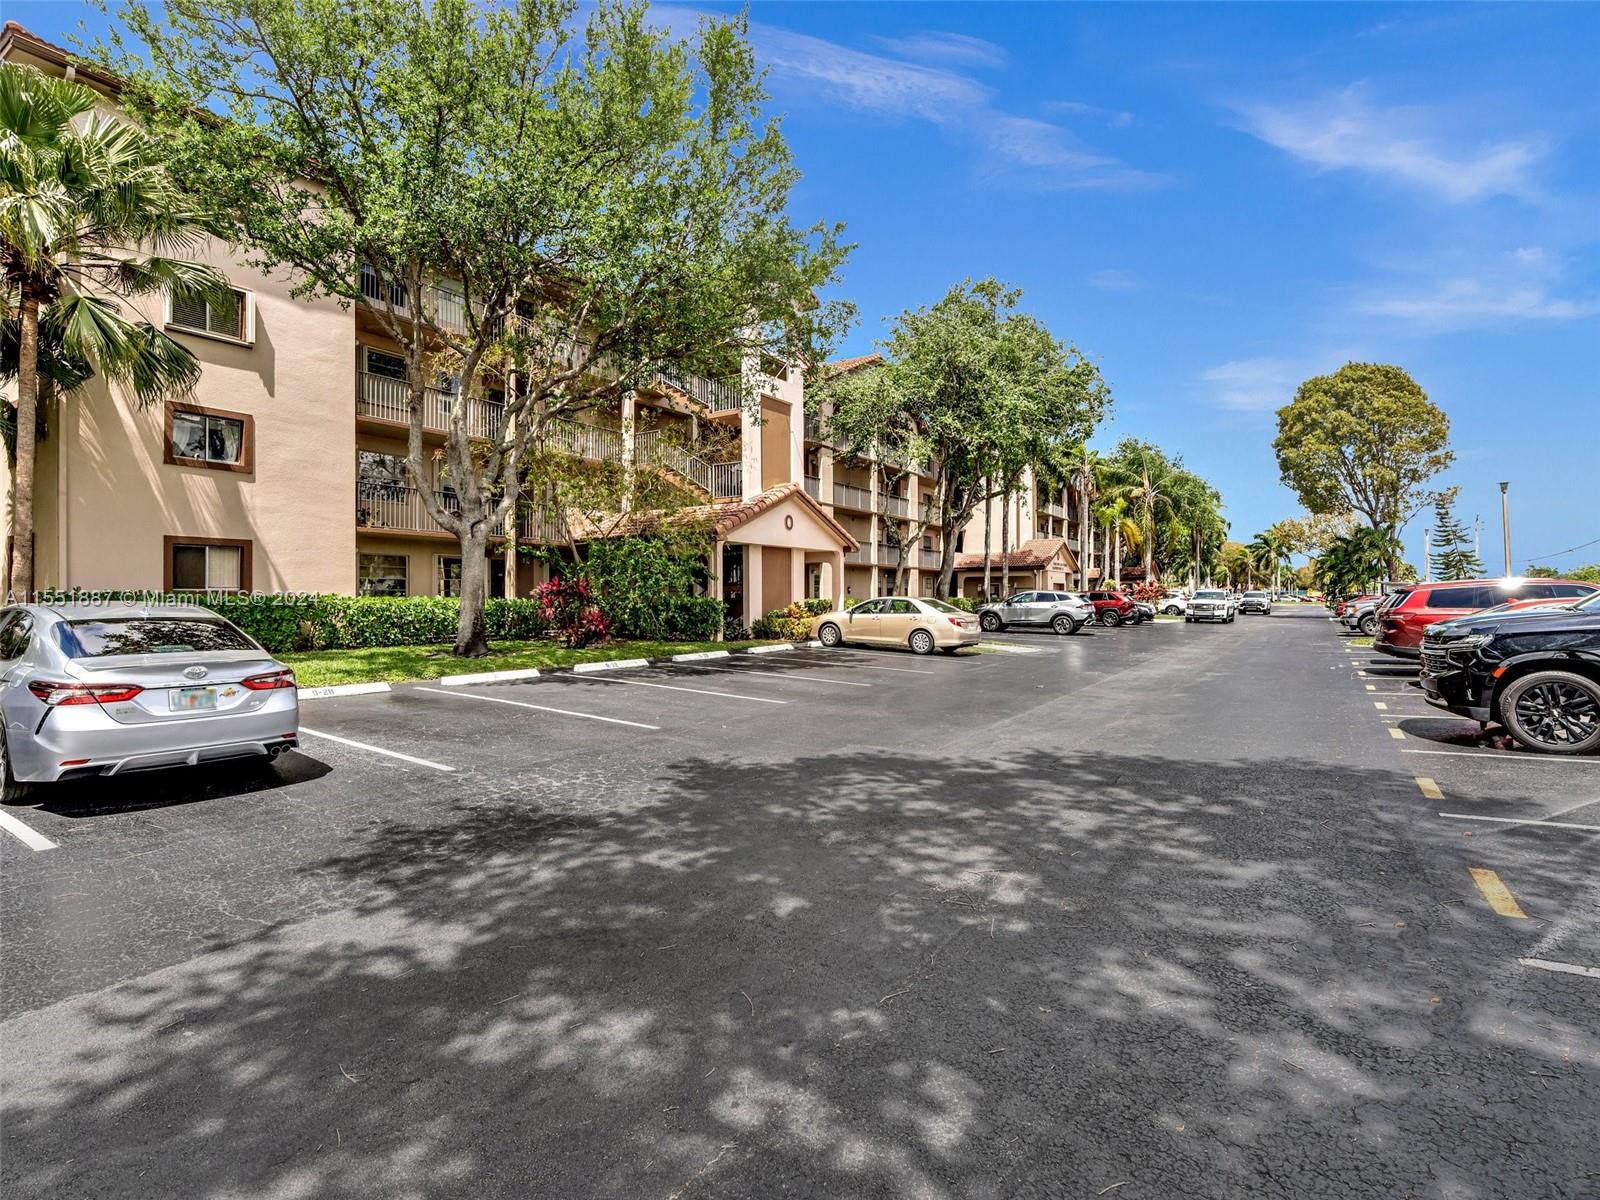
284, 471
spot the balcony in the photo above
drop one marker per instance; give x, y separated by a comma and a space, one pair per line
928, 560
384, 398
847, 495
722, 480
396, 508
893, 506
861, 557
813, 487
448, 309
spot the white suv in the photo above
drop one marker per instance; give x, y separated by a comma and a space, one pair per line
1211, 604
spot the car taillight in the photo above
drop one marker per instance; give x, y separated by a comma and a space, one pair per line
266, 683
60, 695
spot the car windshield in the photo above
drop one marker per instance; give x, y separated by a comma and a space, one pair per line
1591, 605
1258, 595
1211, 595
148, 635
941, 606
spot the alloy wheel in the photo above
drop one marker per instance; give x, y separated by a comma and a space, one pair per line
829, 635
922, 642
1111, 618
1558, 713
990, 622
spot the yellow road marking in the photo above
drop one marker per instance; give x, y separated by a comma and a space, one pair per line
1379, 704
1430, 789
1497, 894
1397, 734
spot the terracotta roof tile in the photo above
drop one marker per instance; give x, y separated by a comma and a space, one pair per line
1031, 555
723, 516
845, 365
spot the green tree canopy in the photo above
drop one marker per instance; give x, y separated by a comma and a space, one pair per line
516, 190
1450, 552
1364, 439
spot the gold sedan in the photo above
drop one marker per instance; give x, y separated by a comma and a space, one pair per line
922, 624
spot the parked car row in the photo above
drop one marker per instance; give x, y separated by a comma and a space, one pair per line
1520, 653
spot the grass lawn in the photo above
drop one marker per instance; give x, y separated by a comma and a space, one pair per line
395, 664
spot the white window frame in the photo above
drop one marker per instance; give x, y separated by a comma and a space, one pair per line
246, 297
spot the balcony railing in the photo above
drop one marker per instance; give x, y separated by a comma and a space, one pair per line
928, 560
893, 506
847, 495
388, 399
722, 479
397, 507
1052, 509
449, 311
596, 442
813, 487
861, 557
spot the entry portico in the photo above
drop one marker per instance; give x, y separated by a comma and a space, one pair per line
767, 547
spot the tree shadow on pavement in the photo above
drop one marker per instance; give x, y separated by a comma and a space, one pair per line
847, 975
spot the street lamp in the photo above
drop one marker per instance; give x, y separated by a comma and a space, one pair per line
1505, 523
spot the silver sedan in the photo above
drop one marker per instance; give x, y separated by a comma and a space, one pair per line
104, 690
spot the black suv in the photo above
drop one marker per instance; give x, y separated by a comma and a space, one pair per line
1537, 672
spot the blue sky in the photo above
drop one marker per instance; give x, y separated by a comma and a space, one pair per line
1215, 202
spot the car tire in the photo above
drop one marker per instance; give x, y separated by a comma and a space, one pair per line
991, 623
1535, 708
829, 635
1188, 620
12, 789
1111, 618
1368, 625
1172, 610
921, 642
1064, 625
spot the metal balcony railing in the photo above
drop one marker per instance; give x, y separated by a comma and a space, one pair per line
398, 507
861, 557
813, 487
720, 479
847, 495
388, 399
893, 506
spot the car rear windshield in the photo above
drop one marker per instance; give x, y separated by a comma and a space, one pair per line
941, 606
148, 635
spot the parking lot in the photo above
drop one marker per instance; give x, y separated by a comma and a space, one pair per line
1153, 911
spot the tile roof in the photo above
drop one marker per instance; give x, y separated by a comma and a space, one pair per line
723, 516
845, 365
1031, 555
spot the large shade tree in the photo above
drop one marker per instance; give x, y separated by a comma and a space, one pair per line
90, 219
1364, 439
550, 205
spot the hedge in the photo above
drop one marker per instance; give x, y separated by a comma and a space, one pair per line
358, 622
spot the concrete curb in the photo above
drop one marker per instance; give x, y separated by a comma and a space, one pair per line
341, 689
489, 677
702, 655
778, 649
614, 664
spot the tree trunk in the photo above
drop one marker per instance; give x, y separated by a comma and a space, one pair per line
1083, 535
472, 630
988, 523
1005, 538
1116, 554
27, 430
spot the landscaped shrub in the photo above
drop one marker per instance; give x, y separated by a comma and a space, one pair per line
569, 606
356, 622
964, 603
816, 605
647, 588
790, 624
1149, 592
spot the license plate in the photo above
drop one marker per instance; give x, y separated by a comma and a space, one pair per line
192, 699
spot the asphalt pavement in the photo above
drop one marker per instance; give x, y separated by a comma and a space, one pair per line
1166, 911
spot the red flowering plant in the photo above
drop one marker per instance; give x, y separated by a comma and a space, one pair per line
569, 606
1149, 592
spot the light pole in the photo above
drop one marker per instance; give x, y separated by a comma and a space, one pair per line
1505, 523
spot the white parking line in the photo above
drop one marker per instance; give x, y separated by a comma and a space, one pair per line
565, 712
1521, 821
1564, 968
1526, 759
343, 741
781, 675
667, 687
861, 666
26, 834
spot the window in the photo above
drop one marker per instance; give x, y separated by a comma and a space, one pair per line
390, 366
869, 608
149, 635
229, 318
381, 574
209, 437
1572, 590
449, 577
902, 608
207, 565
15, 635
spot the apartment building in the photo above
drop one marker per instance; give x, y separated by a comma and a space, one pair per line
868, 495
285, 470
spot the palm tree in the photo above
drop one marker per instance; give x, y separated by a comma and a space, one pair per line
83, 197
1083, 468
1269, 552
1147, 482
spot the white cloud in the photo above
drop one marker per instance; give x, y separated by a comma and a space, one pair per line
947, 47
1254, 384
1465, 303
1113, 280
1345, 132
1015, 150
1113, 117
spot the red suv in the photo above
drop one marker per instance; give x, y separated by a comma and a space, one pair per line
1400, 624
1112, 608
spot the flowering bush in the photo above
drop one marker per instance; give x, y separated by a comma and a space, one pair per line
569, 607
790, 624
1149, 592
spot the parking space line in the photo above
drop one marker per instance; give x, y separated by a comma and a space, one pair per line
667, 687
781, 675
565, 712
1429, 788
1530, 760
1496, 893
1398, 735
1521, 821
26, 834
344, 741
1380, 706
861, 666
1544, 964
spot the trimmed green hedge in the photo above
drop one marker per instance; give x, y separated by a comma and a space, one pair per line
357, 622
